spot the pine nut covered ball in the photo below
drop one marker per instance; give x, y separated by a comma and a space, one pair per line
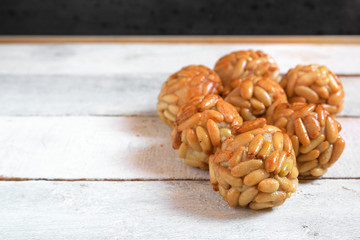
242, 63
314, 84
201, 126
253, 95
182, 86
256, 167
314, 134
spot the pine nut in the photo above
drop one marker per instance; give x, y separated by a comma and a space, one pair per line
285, 184
190, 122
257, 105
227, 110
278, 141
307, 93
246, 89
239, 141
256, 144
222, 156
170, 98
271, 161
331, 129
339, 146
246, 167
231, 180
323, 146
236, 159
312, 126
295, 143
268, 185
307, 166
250, 125
308, 78
265, 150
195, 163
313, 144
286, 167
193, 140
317, 172
262, 95
308, 156
301, 132
204, 139
239, 102
281, 162
270, 197
169, 116
247, 196
325, 156
281, 122
214, 132
287, 144
255, 177
246, 114
208, 102
213, 115
232, 197
259, 206
182, 150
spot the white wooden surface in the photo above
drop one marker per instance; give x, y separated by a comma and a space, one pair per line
72, 112
159, 58
123, 94
172, 210
115, 148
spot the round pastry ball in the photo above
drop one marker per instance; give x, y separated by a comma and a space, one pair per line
201, 126
182, 86
253, 95
313, 132
242, 63
256, 167
314, 84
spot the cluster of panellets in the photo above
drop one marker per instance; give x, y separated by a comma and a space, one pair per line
254, 135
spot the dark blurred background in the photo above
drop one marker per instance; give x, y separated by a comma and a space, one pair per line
179, 17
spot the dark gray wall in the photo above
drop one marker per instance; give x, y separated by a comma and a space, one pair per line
141, 17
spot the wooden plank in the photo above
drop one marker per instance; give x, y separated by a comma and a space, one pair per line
89, 147
142, 59
80, 95
125, 94
351, 99
330, 39
326, 209
115, 148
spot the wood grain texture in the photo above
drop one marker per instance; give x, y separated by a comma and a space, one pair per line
89, 147
115, 148
171, 210
350, 39
124, 58
48, 91
80, 95
124, 94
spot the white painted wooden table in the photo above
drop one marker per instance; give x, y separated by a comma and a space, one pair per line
84, 156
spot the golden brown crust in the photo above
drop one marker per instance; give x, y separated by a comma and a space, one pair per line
189, 82
256, 168
242, 63
253, 95
201, 126
314, 84
314, 134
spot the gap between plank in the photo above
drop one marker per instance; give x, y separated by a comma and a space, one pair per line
145, 180
119, 115
347, 75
